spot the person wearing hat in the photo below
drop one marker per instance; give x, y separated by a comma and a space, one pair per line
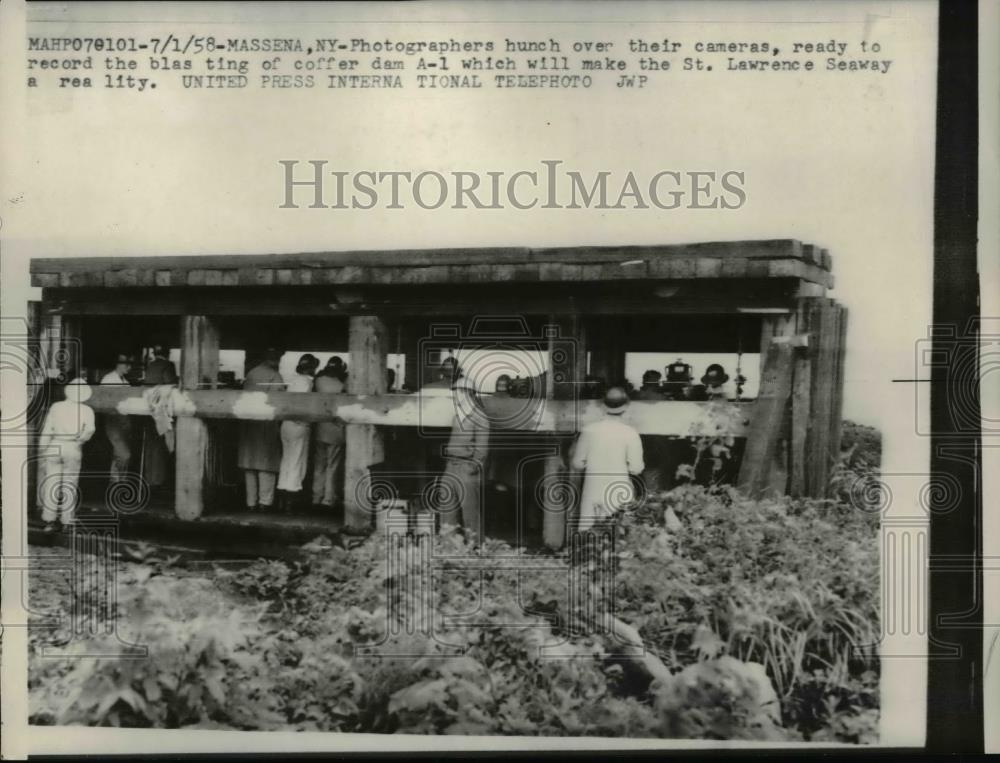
336, 366
328, 446
714, 378
259, 453
608, 452
67, 426
653, 446
156, 455
117, 427
295, 437
448, 373
465, 461
650, 389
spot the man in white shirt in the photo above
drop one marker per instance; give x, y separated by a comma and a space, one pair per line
67, 426
118, 428
609, 451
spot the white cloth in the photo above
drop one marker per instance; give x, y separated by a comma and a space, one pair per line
294, 442
609, 451
113, 377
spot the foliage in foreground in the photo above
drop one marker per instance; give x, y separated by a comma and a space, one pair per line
753, 607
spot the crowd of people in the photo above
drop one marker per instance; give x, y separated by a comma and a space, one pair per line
274, 457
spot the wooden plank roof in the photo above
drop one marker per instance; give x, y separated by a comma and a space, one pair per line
777, 258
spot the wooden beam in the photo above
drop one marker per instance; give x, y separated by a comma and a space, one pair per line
566, 362
766, 249
200, 365
801, 384
199, 362
678, 418
367, 345
821, 319
768, 418
837, 413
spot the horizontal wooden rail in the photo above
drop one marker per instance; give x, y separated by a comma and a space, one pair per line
679, 418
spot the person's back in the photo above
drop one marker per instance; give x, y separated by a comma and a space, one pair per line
263, 378
612, 447
68, 421
331, 432
608, 452
160, 371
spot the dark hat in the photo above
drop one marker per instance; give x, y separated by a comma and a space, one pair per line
123, 358
616, 400
714, 376
651, 377
307, 364
335, 361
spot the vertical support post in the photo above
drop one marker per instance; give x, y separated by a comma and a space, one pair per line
367, 345
199, 353
70, 339
801, 383
607, 360
199, 366
567, 357
821, 320
769, 416
838, 384
780, 468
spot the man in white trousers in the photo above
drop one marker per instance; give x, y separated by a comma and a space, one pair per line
67, 426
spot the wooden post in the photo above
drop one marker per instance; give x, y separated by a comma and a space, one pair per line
199, 369
367, 344
801, 383
607, 360
821, 319
200, 363
769, 417
779, 326
567, 363
70, 345
837, 414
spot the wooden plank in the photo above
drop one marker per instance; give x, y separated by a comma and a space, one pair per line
801, 384
367, 345
766, 249
677, 418
768, 418
199, 367
837, 414
567, 364
192, 445
773, 326
199, 352
822, 322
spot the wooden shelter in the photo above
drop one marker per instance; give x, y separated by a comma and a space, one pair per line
584, 306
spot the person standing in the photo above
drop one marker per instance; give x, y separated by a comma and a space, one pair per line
461, 483
654, 447
609, 452
156, 455
259, 452
295, 437
328, 448
117, 427
67, 426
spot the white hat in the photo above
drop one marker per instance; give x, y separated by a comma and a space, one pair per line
77, 391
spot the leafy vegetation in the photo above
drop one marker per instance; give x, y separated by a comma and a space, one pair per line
713, 616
